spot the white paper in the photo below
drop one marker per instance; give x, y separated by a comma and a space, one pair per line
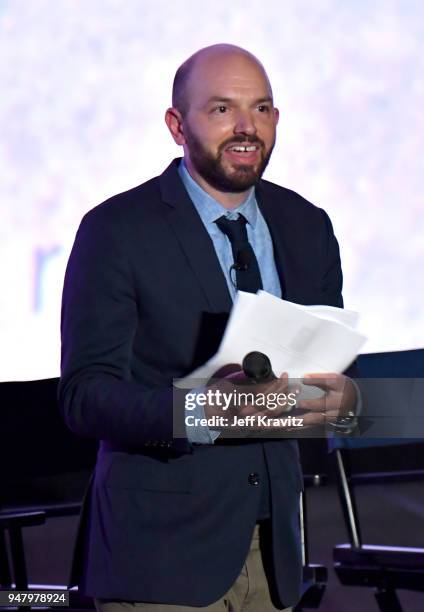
297, 339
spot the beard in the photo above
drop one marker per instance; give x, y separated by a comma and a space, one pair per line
212, 170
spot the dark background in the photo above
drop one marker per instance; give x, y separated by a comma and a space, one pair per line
42, 462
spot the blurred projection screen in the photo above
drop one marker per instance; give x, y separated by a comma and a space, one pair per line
84, 87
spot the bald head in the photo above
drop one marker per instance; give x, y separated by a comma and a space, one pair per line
224, 117
195, 69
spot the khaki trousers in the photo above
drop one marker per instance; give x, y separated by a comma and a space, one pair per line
249, 593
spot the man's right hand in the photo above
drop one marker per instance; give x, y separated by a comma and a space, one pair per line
234, 396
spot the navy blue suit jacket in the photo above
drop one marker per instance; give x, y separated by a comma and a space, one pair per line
145, 301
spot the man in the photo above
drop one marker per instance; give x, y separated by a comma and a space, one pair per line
173, 523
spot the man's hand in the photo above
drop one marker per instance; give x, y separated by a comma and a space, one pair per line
269, 399
339, 399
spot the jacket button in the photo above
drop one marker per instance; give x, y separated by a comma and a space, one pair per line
254, 479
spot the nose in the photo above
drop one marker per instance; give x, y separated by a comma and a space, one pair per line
245, 123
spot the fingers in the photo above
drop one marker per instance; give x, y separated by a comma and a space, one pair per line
292, 424
314, 419
228, 370
254, 411
329, 403
276, 385
246, 398
325, 381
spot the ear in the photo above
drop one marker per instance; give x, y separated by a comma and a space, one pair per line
276, 115
174, 121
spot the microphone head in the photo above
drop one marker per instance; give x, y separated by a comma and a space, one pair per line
257, 367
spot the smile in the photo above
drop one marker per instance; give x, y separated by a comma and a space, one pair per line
240, 153
243, 148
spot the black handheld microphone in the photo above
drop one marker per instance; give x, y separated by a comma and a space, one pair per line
257, 367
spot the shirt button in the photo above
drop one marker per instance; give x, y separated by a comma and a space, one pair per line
254, 479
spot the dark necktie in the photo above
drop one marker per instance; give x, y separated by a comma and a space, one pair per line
248, 276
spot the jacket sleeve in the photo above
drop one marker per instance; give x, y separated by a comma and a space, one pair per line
332, 277
99, 320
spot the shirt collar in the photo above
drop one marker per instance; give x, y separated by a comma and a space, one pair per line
209, 209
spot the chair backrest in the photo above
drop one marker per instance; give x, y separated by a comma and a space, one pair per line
394, 364
42, 461
392, 388
392, 447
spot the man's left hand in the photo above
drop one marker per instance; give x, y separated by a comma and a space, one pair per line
339, 399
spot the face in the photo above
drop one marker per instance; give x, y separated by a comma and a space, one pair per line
230, 126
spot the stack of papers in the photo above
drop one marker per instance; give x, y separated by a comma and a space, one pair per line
297, 339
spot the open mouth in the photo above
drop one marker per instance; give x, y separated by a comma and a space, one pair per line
243, 153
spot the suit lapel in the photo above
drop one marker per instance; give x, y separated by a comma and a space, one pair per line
194, 240
198, 247
278, 222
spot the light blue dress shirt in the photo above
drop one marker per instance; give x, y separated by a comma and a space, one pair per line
259, 237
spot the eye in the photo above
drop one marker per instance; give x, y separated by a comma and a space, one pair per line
263, 108
220, 109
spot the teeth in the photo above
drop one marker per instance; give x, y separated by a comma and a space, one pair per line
242, 148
